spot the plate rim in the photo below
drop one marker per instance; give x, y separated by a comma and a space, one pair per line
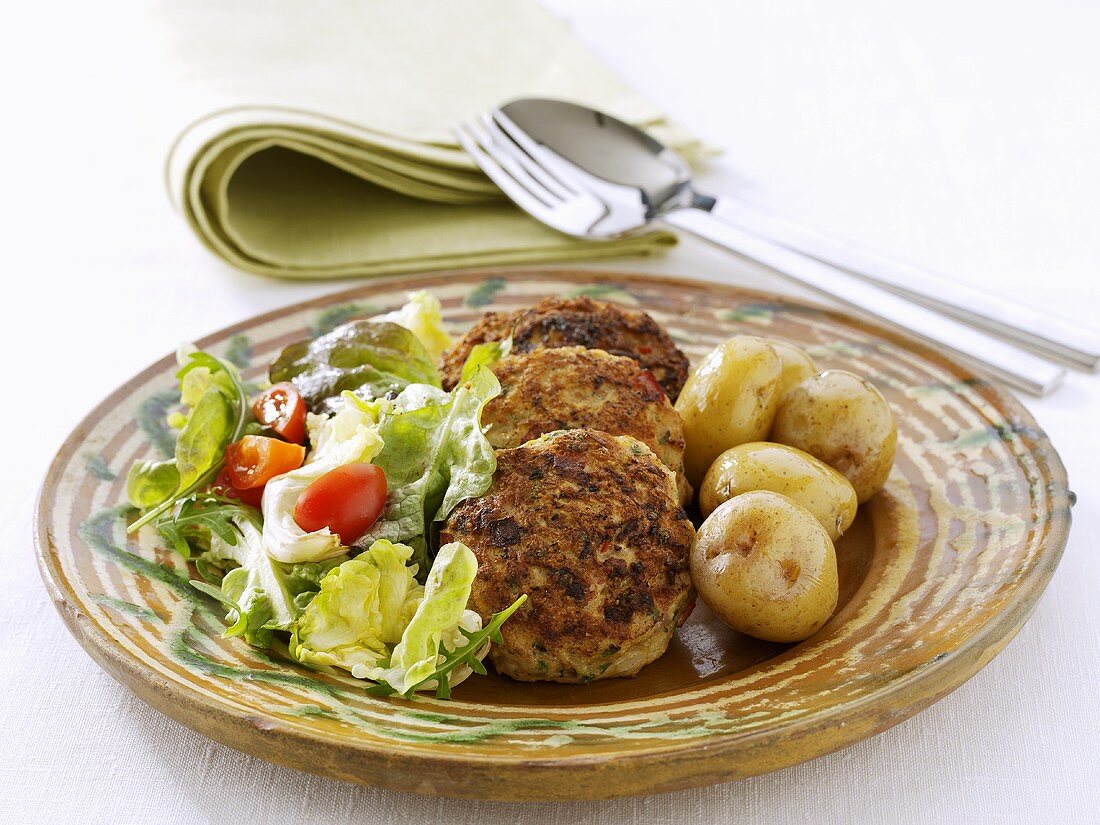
410, 761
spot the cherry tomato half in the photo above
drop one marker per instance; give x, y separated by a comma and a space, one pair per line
223, 486
347, 500
256, 459
282, 409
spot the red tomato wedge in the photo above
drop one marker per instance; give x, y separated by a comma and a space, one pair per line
347, 500
256, 459
223, 486
282, 409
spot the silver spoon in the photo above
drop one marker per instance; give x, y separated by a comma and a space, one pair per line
616, 152
591, 175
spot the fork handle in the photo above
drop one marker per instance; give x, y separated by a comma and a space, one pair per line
1052, 337
1009, 363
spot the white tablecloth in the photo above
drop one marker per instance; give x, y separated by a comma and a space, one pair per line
961, 136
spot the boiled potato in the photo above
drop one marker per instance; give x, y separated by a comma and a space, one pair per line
766, 567
761, 465
797, 365
844, 421
729, 399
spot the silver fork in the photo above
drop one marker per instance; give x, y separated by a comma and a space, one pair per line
558, 203
574, 201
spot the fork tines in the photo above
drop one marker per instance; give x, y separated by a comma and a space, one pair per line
525, 173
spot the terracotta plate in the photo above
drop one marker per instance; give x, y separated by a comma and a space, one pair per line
938, 573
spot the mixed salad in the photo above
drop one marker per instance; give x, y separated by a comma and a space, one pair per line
310, 511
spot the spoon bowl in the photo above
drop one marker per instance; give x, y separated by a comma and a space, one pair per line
591, 175
606, 148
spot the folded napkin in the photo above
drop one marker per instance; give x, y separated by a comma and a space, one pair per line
319, 143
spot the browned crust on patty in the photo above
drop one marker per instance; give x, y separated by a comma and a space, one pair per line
569, 388
584, 322
587, 524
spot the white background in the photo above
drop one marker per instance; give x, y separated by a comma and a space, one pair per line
963, 136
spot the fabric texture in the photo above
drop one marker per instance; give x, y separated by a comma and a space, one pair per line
321, 145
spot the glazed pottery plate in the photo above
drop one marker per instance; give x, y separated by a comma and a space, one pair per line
938, 573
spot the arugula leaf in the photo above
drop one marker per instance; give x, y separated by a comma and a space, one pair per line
255, 591
219, 415
196, 518
368, 358
471, 653
212, 570
215, 593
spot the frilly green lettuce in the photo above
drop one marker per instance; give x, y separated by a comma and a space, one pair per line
372, 619
439, 617
435, 455
342, 625
349, 436
399, 593
363, 607
484, 355
422, 315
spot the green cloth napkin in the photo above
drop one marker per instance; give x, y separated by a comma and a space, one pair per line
320, 143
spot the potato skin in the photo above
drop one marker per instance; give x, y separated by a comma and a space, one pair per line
797, 365
766, 567
729, 399
844, 421
762, 465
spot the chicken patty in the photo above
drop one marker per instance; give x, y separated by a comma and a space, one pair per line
570, 388
569, 322
588, 526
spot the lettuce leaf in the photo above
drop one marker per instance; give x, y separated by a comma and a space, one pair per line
422, 315
307, 576
484, 355
151, 482
399, 594
371, 359
372, 619
349, 436
203, 439
438, 617
461, 652
219, 413
362, 607
303, 580
435, 455
256, 590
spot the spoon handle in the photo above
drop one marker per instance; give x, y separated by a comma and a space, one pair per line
1049, 336
1009, 363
